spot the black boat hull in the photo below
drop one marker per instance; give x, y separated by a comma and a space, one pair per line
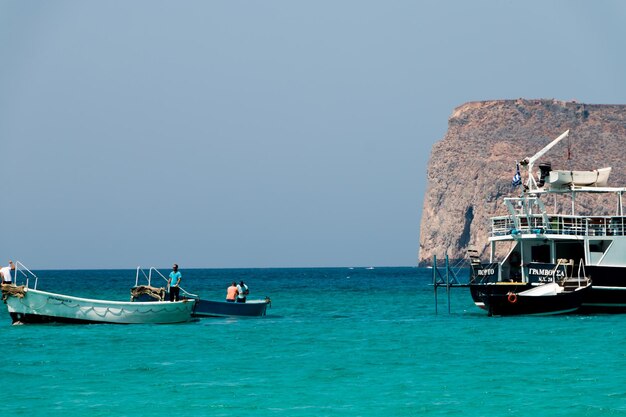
606, 295
512, 304
481, 292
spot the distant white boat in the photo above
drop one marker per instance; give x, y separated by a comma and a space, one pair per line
597, 178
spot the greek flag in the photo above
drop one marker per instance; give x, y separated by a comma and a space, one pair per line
517, 178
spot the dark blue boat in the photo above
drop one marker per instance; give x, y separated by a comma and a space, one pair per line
251, 308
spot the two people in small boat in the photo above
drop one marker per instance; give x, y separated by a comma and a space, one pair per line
5, 272
237, 292
173, 282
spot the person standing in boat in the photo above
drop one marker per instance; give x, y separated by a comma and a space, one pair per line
231, 292
242, 291
6, 273
174, 282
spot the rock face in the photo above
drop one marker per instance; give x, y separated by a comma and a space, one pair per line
471, 168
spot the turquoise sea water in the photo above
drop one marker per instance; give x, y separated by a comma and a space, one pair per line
336, 342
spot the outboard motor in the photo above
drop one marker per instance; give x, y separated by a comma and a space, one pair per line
544, 171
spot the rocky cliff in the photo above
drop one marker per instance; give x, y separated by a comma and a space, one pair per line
471, 168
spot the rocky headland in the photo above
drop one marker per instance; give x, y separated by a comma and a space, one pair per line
471, 168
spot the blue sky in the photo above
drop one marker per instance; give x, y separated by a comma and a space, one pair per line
260, 133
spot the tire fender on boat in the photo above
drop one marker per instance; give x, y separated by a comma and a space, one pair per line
512, 297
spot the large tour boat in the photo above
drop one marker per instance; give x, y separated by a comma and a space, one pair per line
532, 246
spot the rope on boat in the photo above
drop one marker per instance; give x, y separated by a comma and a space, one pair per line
10, 290
156, 293
268, 301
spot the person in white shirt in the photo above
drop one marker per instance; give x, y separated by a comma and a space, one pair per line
6, 273
242, 291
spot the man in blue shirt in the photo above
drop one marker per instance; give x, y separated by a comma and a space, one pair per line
173, 283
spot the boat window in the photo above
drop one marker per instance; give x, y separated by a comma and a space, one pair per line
540, 253
598, 245
570, 250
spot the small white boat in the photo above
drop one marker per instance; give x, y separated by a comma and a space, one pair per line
597, 178
35, 306
27, 304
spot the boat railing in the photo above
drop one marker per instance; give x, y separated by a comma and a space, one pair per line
20, 268
148, 278
558, 224
558, 264
572, 281
581, 268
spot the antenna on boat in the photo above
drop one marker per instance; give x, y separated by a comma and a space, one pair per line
530, 162
569, 149
569, 153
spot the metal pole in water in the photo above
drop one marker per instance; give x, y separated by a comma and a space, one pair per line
448, 281
435, 279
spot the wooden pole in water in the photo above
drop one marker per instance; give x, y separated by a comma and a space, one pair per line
435, 279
